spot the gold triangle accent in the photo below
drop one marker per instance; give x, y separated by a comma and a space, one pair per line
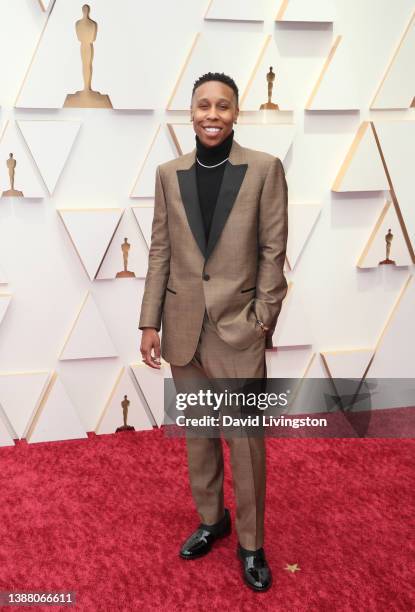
255, 70
349, 157
323, 72
42, 403
395, 55
393, 196
283, 8
186, 62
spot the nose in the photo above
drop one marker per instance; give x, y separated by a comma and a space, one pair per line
212, 113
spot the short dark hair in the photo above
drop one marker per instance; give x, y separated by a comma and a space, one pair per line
217, 76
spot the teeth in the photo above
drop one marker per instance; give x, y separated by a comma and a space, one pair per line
212, 129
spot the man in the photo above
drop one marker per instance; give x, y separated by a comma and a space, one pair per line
216, 284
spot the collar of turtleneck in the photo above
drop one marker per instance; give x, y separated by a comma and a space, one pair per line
214, 155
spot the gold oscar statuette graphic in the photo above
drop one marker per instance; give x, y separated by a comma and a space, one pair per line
86, 32
125, 403
12, 192
270, 80
388, 239
125, 247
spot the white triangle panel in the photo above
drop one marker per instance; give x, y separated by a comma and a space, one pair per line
397, 141
293, 328
230, 52
161, 149
362, 169
26, 178
305, 398
91, 231
137, 255
5, 299
301, 221
20, 393
50, 143
395, 352
112, 416
397, 88
151, 382
57, 418
306, 10
5, 437
144, 216
88, 338
287, 362
257, 90
350, 363
336, 87
375, 250
236, 10
273, 139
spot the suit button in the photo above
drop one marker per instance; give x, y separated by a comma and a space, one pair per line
206, 277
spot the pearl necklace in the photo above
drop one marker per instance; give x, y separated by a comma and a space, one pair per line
215, 166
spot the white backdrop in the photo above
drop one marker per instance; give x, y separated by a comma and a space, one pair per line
147, 55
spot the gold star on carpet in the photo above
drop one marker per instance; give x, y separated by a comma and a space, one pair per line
292, 568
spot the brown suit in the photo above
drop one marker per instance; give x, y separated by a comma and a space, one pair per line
238, 274
207, 298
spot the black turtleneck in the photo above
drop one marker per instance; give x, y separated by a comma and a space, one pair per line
209, 179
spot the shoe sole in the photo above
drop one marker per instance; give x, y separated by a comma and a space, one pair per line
257, 589
205, 552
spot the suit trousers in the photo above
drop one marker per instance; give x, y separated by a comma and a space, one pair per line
215, 359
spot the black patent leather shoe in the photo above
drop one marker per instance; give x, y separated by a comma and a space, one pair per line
200, 542
255, 569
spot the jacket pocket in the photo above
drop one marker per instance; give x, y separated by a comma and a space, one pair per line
171, 290
246, 290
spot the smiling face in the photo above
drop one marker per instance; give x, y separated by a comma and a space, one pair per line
214, 110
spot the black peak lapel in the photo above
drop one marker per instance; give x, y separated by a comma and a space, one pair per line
229, 189
190, 198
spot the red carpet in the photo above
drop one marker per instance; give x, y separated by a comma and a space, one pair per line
104, 517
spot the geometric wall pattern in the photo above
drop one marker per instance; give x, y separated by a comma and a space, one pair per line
304, 10
220, 49
15, 157
20, 394
67, 191
239, 10
112, 417
256, 92
56, 417
397, 144
293, 327
91, 232
362, 169
397, 87
375, 250
50, 144
395, 348
88, 338
336, 87
5, 299
301, 220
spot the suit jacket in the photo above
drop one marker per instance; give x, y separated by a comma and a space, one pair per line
237, 275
